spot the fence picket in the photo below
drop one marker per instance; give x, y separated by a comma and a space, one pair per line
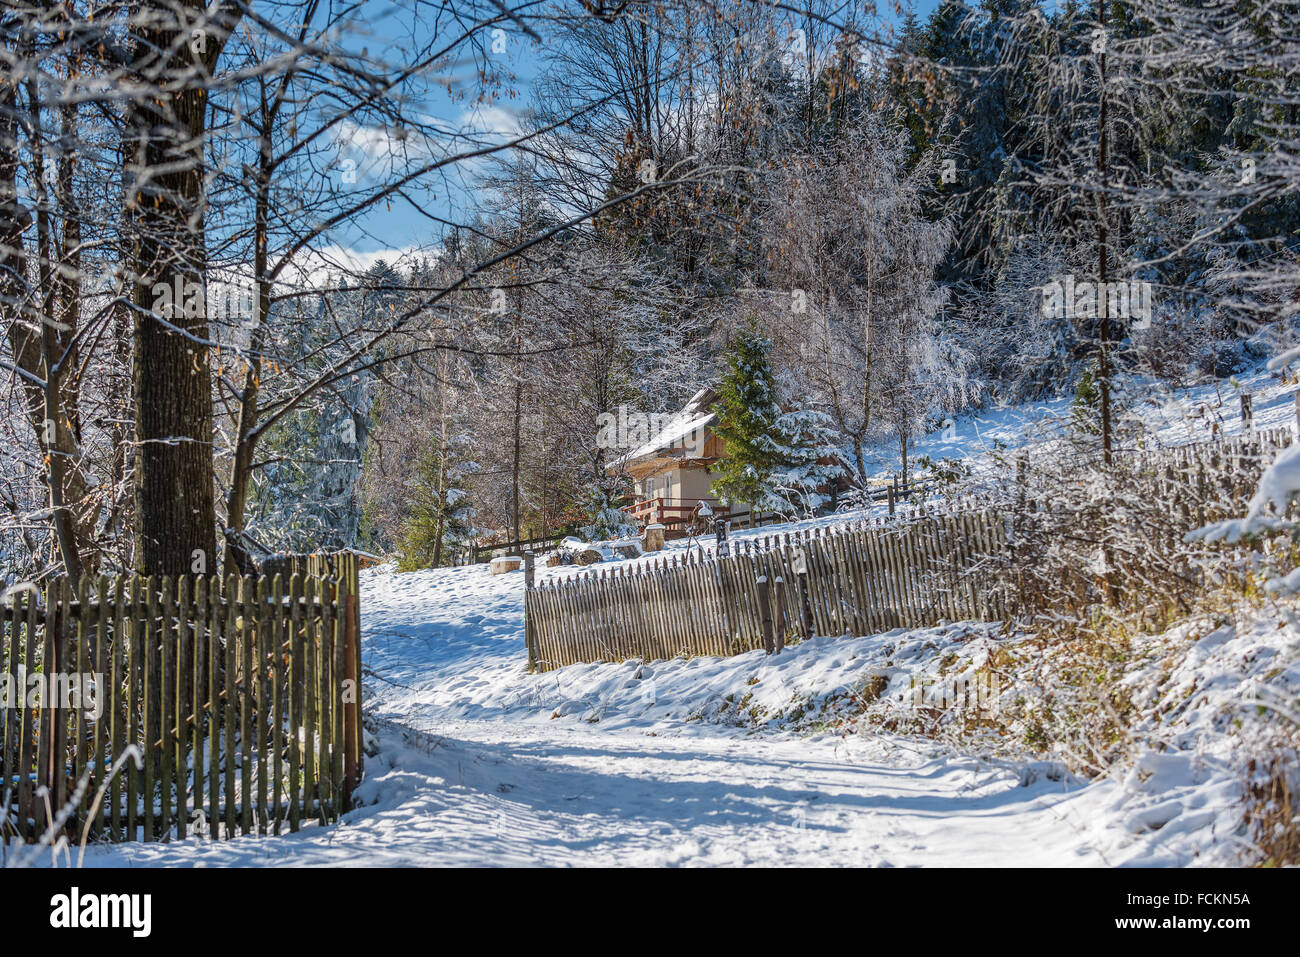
198, 671
167, 703
261, 719
41, 719
215, 645
278, 698
78, 717
245, 639
181, 714
309, 664
14, 767
295, 700
230, 716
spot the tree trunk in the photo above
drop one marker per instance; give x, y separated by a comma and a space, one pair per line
171, 376
241, 466
1103, 349
515, 463
441, 525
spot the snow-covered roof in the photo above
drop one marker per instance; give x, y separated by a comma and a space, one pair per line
702, 401
685, 429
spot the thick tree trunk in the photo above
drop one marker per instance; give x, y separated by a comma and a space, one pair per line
171, 376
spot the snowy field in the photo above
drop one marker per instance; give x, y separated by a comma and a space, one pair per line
750, 760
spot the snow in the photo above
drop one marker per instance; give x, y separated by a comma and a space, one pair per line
683, 428
1167, 417
811, 757
737, 761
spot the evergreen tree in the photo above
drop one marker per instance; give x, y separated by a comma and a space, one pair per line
439, 514
1087, 399
803, 440
747, 412
605, 520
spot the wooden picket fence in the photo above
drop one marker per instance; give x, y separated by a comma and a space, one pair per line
965, 558
1212, 480
205, 705
859, 579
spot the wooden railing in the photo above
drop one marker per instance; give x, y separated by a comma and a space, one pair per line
228, 706
474, 553
675, 513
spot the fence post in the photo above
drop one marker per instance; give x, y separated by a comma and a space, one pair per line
352, 755
51, 761
765, 611
1247, 414
779, 587
529, 571
799, 562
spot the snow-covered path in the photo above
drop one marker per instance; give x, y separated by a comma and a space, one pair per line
574, 796
495, 793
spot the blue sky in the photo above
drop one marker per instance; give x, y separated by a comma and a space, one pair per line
404, 225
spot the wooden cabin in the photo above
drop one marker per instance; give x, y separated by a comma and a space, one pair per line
671, 470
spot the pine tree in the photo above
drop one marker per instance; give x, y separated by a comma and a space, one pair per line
747, 412
804, 441
439, 513
605, 520
1087, 399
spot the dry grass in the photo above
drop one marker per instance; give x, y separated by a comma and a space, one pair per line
1273, 807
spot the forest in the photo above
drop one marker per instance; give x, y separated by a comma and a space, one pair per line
856, 223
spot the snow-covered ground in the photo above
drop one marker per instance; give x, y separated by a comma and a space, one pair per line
732, 761
787, 760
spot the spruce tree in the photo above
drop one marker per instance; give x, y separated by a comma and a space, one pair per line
803, 440
746, 412
438, 512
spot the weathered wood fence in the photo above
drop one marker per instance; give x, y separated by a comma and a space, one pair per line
150, 709
856, 579
474, 554
964, 560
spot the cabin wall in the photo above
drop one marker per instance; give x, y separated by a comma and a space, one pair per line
694, 483
681, 483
